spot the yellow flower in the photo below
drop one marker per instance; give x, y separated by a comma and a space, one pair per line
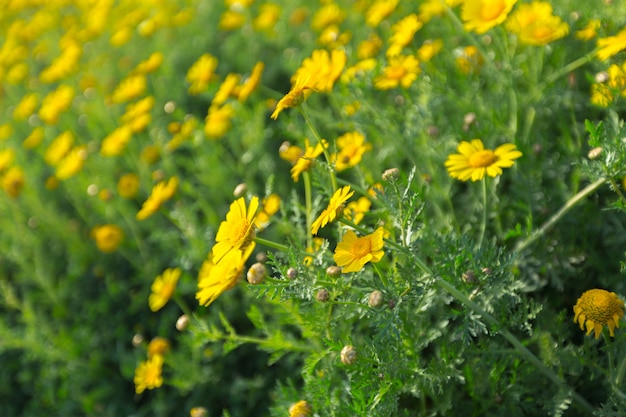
589, 31
128, 185
403, 33
334, 208
305, 161
611, 45
380, 10
148, 374
317, 73
535, 24
400, 70
218, 121
151, 64
226, 89
13, 181
353, 252
55, 103
251, 83
163, 288
161, 192
6, 158
369, 47
116, 141
72, 163
267, 17
201, 73
237, 231
429, 49
137, 110
34, 139
351, 147
601, 95
290, 153
158, 346
300, 409
26, 107
597, 307
108, 237
431, 8
469, 59
481, 15
231, 20
215, 278
474, 161
358, 69
313, 249
129, 88
327, 15
59, 147
271, 204
355, 210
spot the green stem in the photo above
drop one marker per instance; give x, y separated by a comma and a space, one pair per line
607, 340
308, 201
483, 225
318, 138
559, 214
271, 244
620, 373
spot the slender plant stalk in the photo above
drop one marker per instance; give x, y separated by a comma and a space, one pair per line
483, 225
308, 201
559, 214
318, 139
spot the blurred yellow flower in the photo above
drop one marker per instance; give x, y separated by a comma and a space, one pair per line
129, 88
26, 107
335, 208
468, 59
158, 346
128, 185
474, 161
351, 148
59, 147
267, 17
226, 89
151, 64
34, 139
218, 121
72, 163
148, 374
611, 45
379, 11
431, 8
401, 70
270, 205
137, 109
13, 181
108, 237
403, 33
355, 210
300, 409
326, 15
55, 103
305, 162
429, 49
481, 15
369, 47
535, 24
6, 158
596, 308
115, 142
163, 288
161, 192
215, 278
251, 83
201, 73
353, 252
150, 154
231, 20
589, 31
237, 231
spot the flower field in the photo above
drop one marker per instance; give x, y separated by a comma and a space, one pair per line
312, 208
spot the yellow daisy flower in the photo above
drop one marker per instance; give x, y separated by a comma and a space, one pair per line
351, 146
305, 161
250, 84
163, 288
108, 237
403, 33
148, 374
218, 121
271, 205
300, 409
379, 11
535, 24
115, 142
216, 277
161, 192
129, 88
481, 15
597, 307
590, 31
400, 70
611, 45
158, 346
201, 73
353, 252
237, 231
355, 210
474, 161
128, 185
335, 207
13, 181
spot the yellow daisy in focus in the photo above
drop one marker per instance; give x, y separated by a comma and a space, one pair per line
353, 252
148, 374
237, 231
481, 15
335, 207
163, 288
108, 237
611, 45
474, 161
215, 278
596, 308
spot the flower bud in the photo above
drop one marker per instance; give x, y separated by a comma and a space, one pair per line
182, 322
375, 299
348, 355
240, 189
391, 174
292, 273
256, 273
322, 295
198, 412
137, 340
594, 153
333, 271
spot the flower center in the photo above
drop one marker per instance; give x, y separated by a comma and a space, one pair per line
361, 247
396, 73
599, 306
491, 10
482, 159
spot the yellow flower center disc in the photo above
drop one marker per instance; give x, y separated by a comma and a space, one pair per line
482, 159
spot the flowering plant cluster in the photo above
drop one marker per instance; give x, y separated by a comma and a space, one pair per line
295, 208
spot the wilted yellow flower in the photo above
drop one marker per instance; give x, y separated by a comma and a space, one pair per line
353, 252
128, 185
161, 192
218, 121
148, 374
201, 73
163, 288
535, 24
13, 181
474, 161
237, 231
481, 15
334, 208
596, 308
108, 237
401, 70
611, 45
